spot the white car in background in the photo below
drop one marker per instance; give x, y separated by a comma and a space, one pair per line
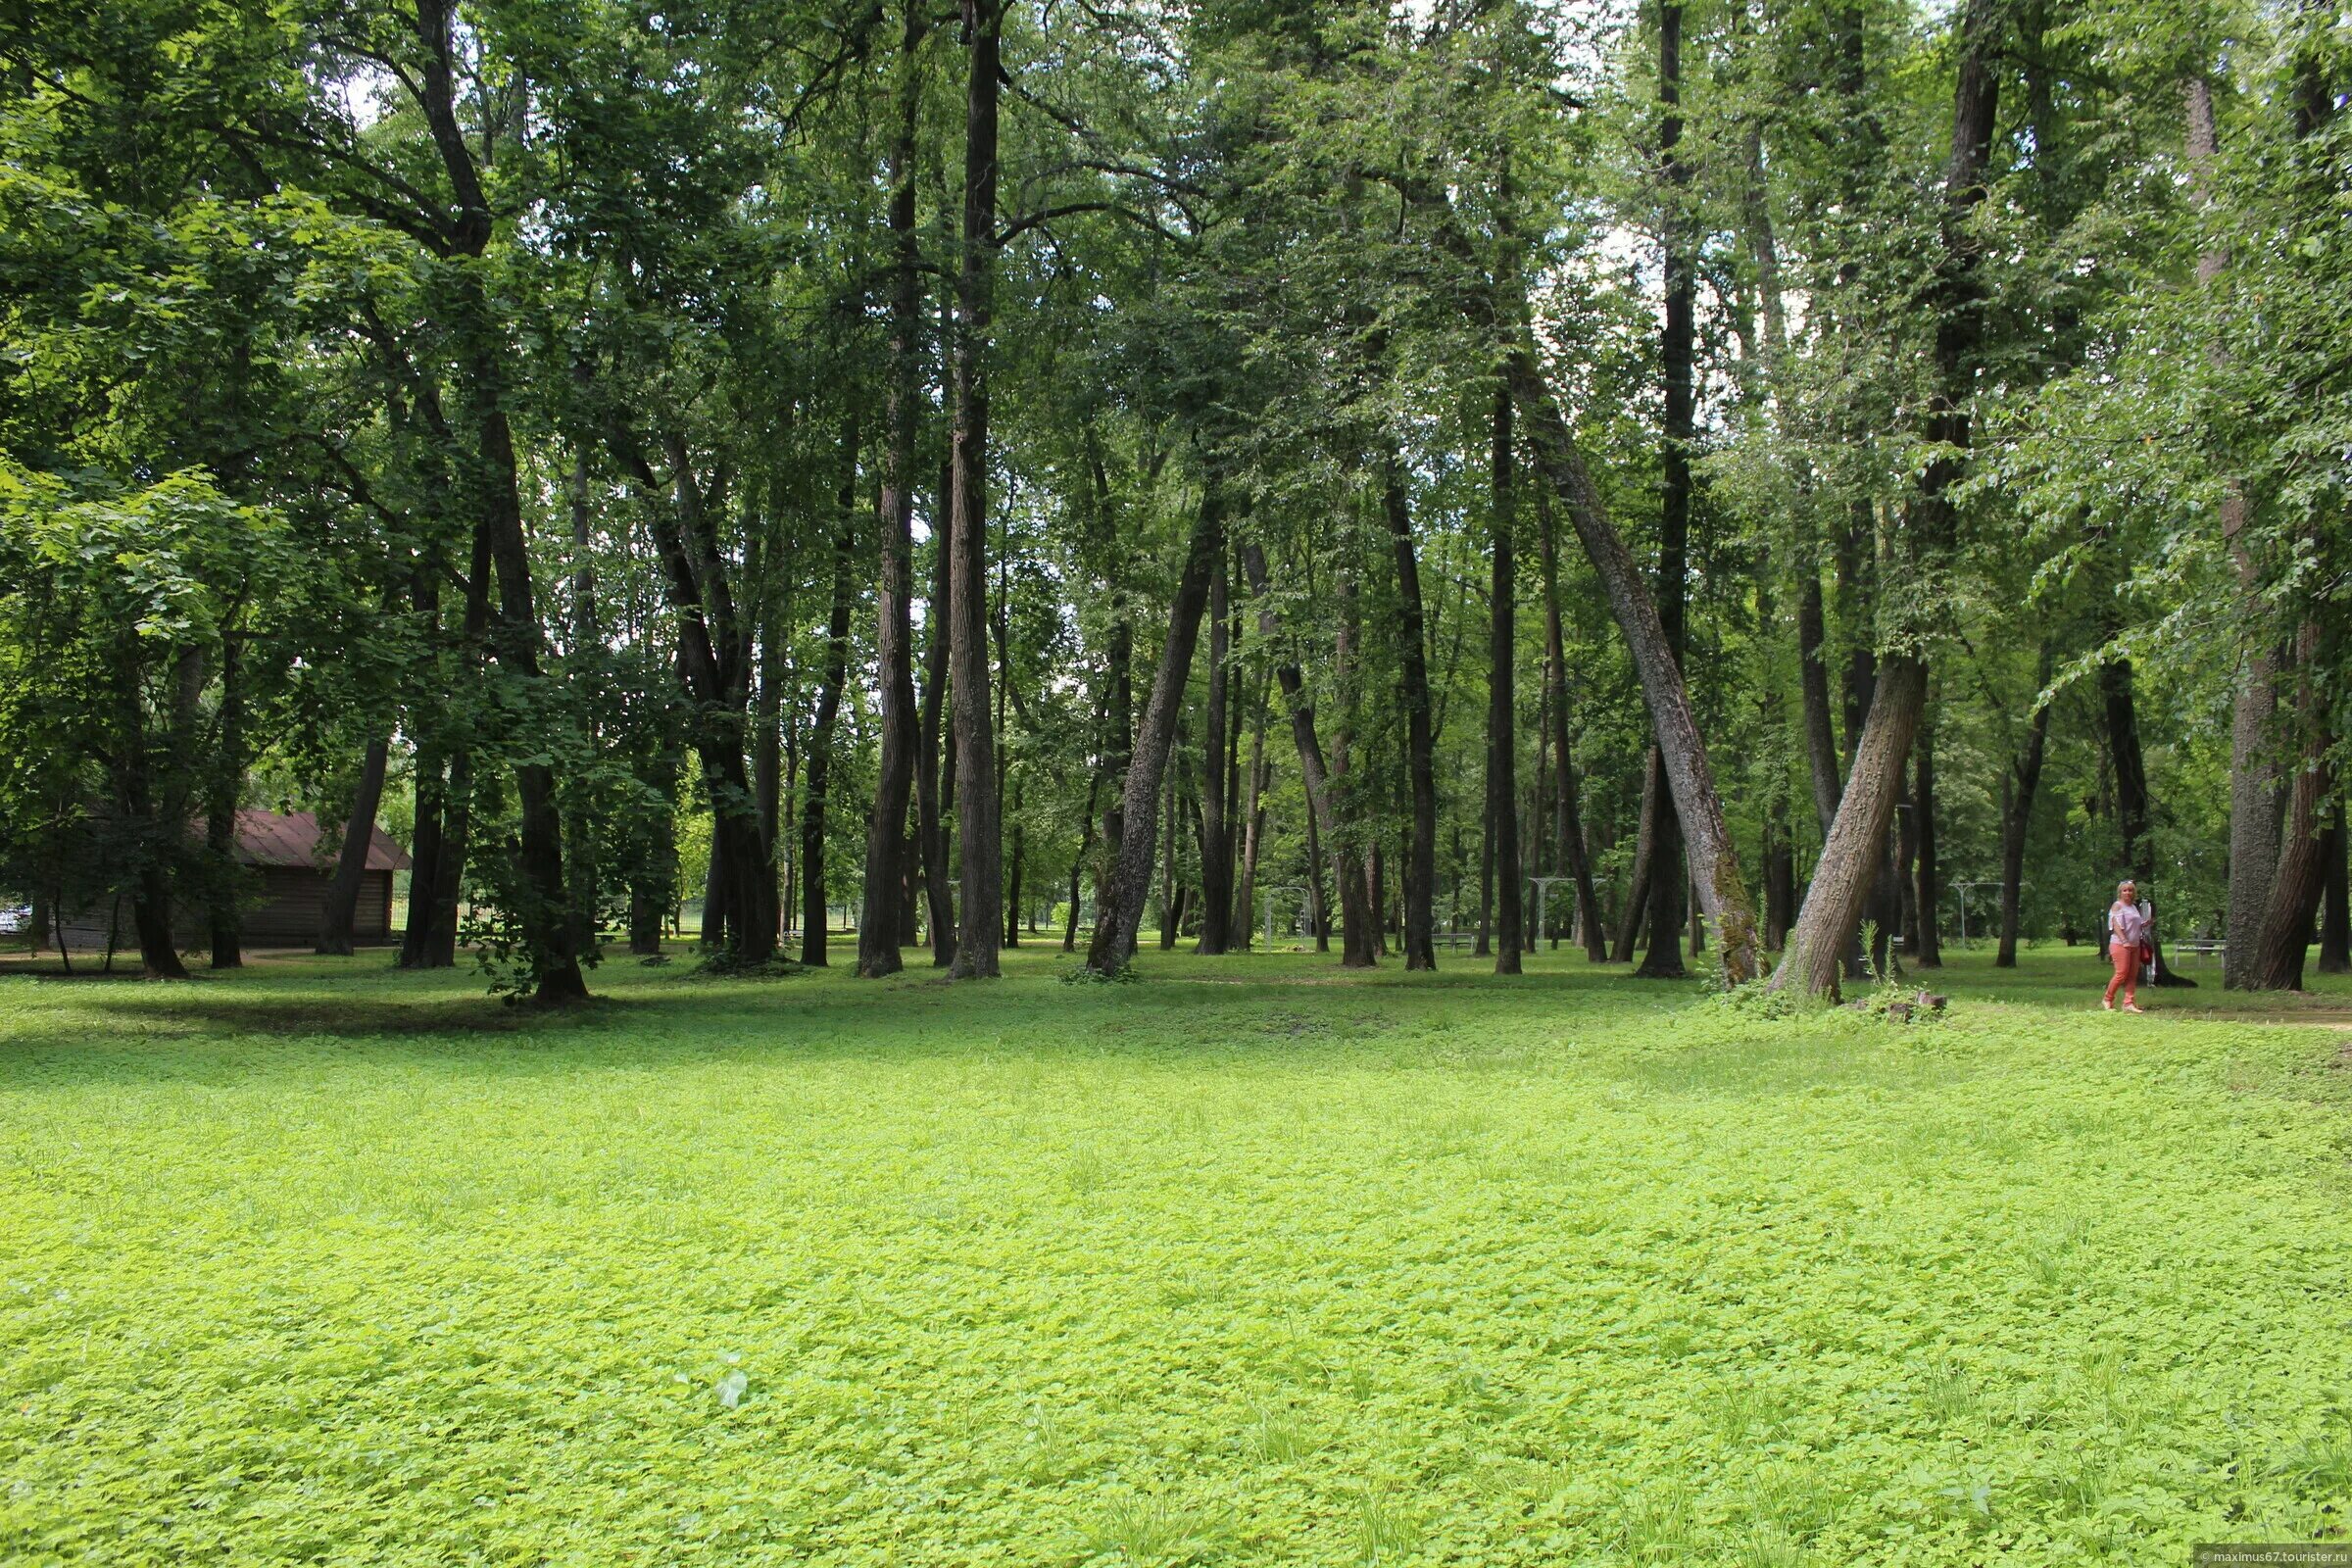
15, 919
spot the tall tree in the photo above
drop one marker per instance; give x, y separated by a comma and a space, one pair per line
894, 630
980, 927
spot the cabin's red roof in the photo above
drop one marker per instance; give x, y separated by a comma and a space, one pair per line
273, 838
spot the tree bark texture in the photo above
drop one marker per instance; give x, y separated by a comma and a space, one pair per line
879, 920
980, 925
1421, 857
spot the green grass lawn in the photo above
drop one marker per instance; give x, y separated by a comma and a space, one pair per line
1243, 1263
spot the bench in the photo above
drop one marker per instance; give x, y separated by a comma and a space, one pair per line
2200, 948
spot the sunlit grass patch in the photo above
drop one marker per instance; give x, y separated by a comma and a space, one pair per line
305, 1265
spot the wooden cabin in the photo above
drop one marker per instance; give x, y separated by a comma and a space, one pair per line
286, 898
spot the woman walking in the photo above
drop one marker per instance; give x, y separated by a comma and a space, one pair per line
2127, 933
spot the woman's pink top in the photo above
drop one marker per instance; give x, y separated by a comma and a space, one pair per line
2125, 924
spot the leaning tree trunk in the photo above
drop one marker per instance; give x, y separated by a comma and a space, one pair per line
1312, 774
351, 866
1707, 837
1854, 852
1852, 855
1421, 858
1502, 787
1130, 883
980, 930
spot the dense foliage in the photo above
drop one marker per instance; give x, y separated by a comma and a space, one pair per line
978, 475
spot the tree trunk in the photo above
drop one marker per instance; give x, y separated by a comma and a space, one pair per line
151, 921
835, 674
587, 649
1086, 851
1714, 861
2335, 924
1316, 779
2301, 875
1485, 881
1317, 915
1821, 735
982, 886
1780, 876
1502, 787
652, 884
1216, 826
879, 919
2017, 812
445, 796
341, 907
1017, 871
457, 838
1570, 827
550, 925
1928, 885
2133, 811
2254, 783
1855, 849
935, 765
1637, 892
1121, 910
1253, 822
1360, 942
1421, 858
1854, 852
1663, 957
1664, 960
226, 784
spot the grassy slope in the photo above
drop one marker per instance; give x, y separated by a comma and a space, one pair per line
1237, 1264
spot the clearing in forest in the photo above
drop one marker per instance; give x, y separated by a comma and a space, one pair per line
321, 1263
